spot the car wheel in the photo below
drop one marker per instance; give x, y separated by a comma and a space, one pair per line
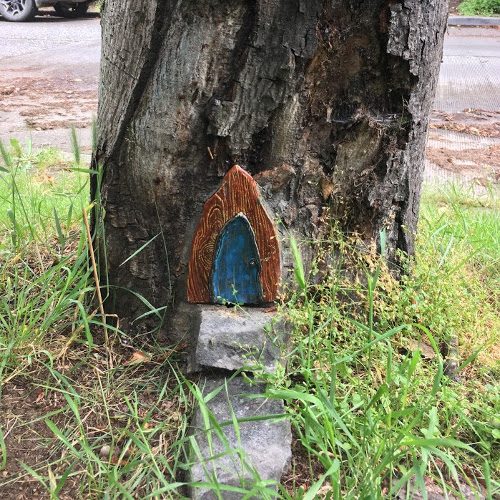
17, 10
71, 10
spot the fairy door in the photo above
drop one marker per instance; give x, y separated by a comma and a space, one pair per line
236, 267
235, 255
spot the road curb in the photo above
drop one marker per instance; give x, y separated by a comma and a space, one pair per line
473, 21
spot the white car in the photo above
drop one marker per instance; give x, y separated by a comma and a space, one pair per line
25, 10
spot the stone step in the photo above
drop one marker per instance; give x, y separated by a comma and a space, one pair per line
236, 338
244, 454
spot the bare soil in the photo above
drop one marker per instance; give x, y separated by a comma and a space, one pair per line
46, 104
465, 145
29, 400
43, 103
454, 7
486, 161
26, 437
470, 121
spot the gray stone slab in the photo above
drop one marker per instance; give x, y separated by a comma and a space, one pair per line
260, 449
234, 338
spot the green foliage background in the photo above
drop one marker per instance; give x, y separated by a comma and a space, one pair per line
480, 7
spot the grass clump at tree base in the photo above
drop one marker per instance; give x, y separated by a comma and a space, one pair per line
81, 417
367, 391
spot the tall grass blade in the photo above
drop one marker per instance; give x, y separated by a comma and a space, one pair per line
3, 450
299, 266
313, 491
62, 240
75, 146
139, 250
6, 158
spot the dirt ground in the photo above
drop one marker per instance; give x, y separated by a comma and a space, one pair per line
50, 73
46, 103
29, 105
26, 436
31, 399
464, 147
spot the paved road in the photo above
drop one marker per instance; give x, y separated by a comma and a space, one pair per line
49, 78
470, 71
48, 32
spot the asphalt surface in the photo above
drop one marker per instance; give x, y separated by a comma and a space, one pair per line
48, 32
464, 137
470, 71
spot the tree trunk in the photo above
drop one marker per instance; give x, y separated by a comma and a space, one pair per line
324, 103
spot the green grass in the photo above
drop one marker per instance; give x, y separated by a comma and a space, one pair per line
480, 7
43, 269
368, 406
372, 411
51, 335
41, 196
457, 275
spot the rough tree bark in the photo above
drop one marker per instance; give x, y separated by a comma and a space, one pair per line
324, 102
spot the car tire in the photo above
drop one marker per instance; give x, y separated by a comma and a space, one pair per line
71, 10
18, 10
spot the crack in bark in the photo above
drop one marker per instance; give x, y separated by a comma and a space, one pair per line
158, 31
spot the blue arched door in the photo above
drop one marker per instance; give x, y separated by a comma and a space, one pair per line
236, 267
